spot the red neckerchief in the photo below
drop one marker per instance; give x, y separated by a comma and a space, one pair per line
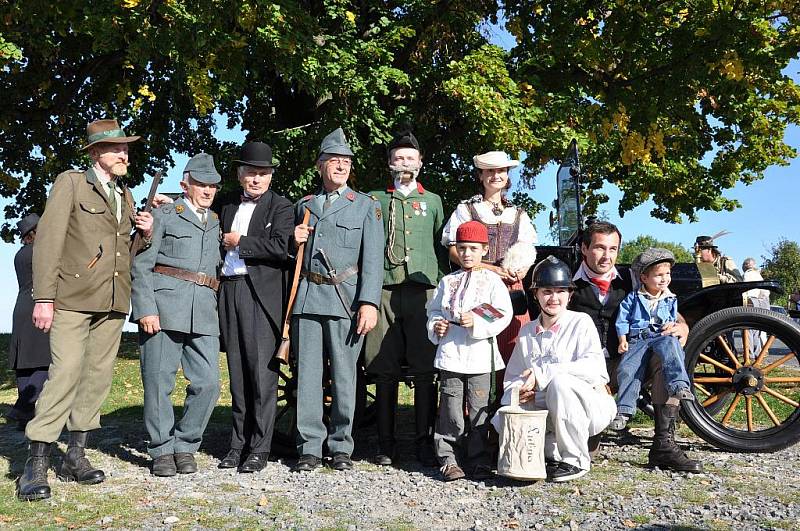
601, 284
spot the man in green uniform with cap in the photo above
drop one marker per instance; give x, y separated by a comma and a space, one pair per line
81, 289
174, 301
337, 302
707, 251
413, 265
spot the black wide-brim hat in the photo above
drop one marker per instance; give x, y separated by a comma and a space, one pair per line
257, 154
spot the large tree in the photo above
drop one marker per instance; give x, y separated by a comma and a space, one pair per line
638, 245
783, 264
649, 89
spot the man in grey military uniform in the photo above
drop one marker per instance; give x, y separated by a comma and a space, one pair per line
174, 300
337, 302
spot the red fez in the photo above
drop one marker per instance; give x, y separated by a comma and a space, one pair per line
472, 231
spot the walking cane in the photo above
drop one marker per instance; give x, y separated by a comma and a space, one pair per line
282, 355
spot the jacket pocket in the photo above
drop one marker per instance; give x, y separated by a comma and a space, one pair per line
348, 233
91, 207
176, 243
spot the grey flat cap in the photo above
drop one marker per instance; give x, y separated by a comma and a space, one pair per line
27, 224
201, 168
335, 144
651, 257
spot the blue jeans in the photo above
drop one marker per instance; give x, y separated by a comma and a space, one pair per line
631, 369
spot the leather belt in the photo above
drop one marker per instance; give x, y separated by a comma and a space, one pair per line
318, 278
199, 278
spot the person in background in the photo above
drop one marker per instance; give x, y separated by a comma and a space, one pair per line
29, 347
706, 251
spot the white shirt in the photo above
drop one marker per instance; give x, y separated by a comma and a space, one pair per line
527, 234
233, 264
570, 346
753, 275
468, 350
405, 189
104, 180
583, 274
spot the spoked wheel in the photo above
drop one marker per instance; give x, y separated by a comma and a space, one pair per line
284, 438
746, 376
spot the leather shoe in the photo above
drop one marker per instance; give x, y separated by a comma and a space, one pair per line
254, 463
307, 463
232, 459
164, 466
185, 463
341, 461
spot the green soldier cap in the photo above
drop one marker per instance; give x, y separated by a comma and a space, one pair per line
704, 242
201, 168
335, 144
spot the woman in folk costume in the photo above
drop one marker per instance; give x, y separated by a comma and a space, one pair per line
512, 237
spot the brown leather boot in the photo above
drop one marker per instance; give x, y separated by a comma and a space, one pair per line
32, 484
76, 467
665, 452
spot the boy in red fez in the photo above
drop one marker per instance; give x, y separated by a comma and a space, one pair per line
469, 308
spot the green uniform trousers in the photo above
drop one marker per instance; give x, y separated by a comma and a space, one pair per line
401, 335
161, 355
337, 338
83, 346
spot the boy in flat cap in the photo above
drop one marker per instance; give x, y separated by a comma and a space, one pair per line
81, 289
337, 302
174, 301
256, 233
643, 314
413, 264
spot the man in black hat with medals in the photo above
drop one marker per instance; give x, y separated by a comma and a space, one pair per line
706, 251
256, 233
174, 300
413, 265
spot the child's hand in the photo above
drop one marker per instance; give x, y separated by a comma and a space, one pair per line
467, 320
441, 327
623, 345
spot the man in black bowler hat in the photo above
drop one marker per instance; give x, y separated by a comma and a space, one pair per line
256, 232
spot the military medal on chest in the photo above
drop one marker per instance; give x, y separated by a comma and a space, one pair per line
415, 206
424, 207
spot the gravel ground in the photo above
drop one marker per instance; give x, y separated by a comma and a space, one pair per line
738, 491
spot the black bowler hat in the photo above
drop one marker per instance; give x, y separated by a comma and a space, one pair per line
704, 242
403, 139
257, 154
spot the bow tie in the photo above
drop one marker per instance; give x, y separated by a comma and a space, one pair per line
249, 199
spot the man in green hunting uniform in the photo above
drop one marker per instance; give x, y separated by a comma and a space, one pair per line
413, 264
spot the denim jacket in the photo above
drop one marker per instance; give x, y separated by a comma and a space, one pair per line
634, 314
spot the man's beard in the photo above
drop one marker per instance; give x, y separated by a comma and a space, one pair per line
119, 169
405, 173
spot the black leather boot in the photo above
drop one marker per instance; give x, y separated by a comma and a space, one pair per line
76, 467
386, 406
32, 483
665, 452
425, 402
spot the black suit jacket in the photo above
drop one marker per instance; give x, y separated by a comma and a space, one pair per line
265, 249
604, 316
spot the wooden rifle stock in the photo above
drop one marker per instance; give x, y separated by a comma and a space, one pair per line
282, 354
136, 243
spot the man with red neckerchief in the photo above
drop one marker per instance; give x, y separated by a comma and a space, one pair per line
599, 289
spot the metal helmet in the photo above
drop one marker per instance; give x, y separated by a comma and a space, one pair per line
552, 273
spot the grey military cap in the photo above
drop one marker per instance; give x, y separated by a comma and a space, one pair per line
201, 168
335, 144
27, 224
651, 257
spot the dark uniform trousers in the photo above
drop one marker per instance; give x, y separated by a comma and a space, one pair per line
250, 338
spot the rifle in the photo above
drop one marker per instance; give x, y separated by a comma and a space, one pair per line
136, 243
282, 354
